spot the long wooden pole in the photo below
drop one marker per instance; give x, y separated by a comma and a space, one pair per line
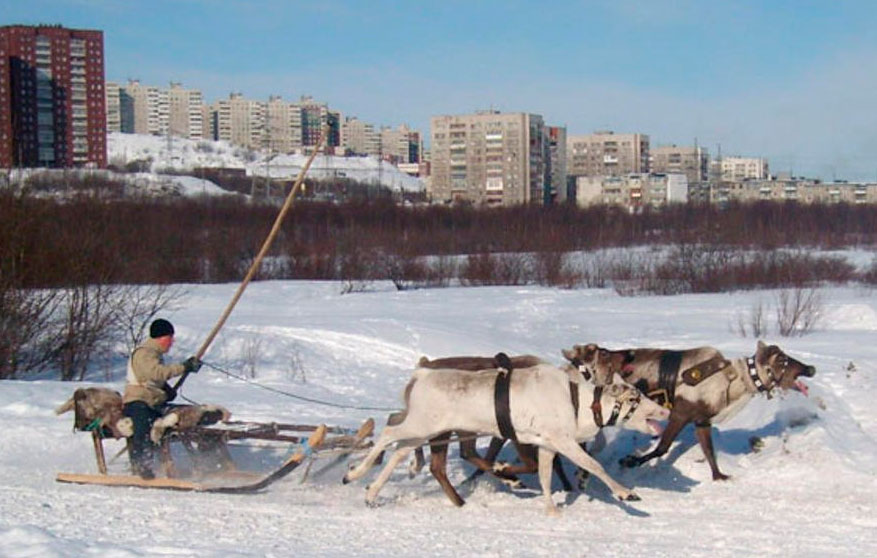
254, 267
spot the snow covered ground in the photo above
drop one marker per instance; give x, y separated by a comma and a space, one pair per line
185, 155
811, 490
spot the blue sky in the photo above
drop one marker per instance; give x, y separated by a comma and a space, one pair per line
791, 80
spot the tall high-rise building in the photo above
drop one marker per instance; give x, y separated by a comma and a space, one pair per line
693, 162
144, 109
555, 165
114, 107
488, 158
283, 121
52, 102
315, 115
360, 138
606, 153
240, 121
401, 145
185, 118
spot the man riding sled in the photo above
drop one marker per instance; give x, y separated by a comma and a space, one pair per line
147, 391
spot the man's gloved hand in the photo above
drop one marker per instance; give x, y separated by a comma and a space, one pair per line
192, 364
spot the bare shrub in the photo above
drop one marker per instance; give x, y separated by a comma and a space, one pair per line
139, 305
439, 271
869, 276
754, 323
296, 368
83, 328
251, 354
405, 269
553, 269
24, 316
495, 269
798, 311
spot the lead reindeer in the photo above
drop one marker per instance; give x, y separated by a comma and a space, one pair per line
540, 409
700, 385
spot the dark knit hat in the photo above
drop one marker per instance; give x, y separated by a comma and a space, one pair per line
160, 328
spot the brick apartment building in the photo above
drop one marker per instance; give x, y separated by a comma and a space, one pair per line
52, 100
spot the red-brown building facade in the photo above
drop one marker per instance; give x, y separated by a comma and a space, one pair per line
52, 101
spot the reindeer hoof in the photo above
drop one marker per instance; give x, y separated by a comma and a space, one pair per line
630, 461
721, 477
632, 497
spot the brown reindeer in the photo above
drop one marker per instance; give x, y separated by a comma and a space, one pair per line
698, 385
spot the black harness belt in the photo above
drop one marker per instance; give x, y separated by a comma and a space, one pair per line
668, 369
501, 405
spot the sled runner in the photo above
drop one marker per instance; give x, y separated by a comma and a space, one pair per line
227, 478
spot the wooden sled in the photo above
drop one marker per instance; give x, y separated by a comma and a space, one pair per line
230, 480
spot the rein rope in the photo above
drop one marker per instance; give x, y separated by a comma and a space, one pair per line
294, 395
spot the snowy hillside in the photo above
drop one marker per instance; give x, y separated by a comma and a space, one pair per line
159, 153
811, 491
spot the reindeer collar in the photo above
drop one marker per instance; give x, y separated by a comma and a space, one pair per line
756, 379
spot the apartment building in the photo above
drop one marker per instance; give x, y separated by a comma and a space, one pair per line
240, 121
114, 109
742, 168
315, 115
632, 191
488, 158
556, 190
52, 104
692, 161
360, 138
401, 145
283, 121
143, 109
799, 190
605, 153
185, 114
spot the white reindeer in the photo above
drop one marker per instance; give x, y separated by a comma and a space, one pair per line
541, 411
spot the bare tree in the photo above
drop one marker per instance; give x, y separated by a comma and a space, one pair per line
798, 311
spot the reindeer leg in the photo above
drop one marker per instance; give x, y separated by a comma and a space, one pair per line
417, 463
486, 464
398, 456
674, 426
387, 437
577, 455
704, 432
438, 466
546, 458
508, 473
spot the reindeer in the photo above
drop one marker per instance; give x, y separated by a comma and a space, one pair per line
540, 410
698, 385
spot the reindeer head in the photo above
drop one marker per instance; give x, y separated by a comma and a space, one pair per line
595, 361
782, 369
630, 409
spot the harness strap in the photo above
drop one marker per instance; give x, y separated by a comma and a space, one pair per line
668, 370
574, 397
502, 405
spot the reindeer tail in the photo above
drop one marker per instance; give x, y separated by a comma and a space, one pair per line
65, 406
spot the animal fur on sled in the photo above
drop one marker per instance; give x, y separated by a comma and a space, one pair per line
184, 417
98, 404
